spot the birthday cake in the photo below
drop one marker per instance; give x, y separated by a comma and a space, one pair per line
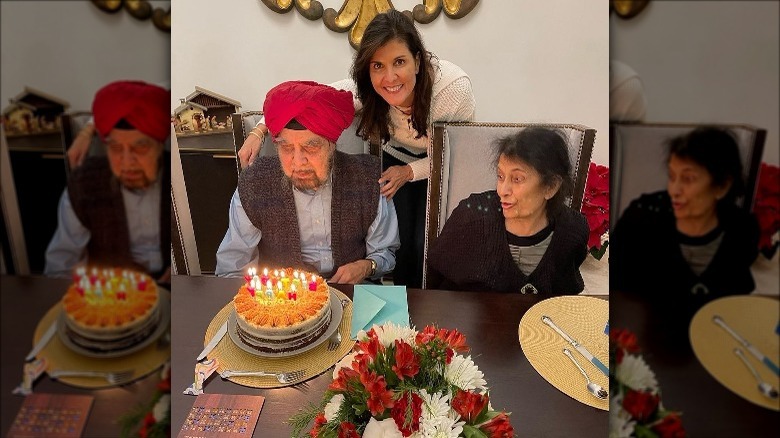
281, 311
109, 310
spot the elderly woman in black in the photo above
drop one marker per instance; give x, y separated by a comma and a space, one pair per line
520, 237
690, 243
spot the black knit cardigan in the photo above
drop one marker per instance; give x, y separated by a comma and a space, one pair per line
472, 252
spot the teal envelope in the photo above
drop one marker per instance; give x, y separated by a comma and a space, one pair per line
374, 304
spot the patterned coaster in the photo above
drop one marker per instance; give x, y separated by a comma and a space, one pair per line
223, 416
582, 318
313, 362
60, 357
754, 319
51, 415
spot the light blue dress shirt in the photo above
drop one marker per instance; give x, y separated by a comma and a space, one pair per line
238, 249
67, 247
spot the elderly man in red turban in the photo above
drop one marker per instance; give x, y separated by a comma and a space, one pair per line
116, 208
310, 207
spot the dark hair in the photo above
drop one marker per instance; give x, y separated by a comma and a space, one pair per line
716, 150
547, 151
374, 119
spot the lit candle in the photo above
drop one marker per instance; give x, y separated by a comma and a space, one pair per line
248, 275
264, 278
121, 295
285, 281
251, 288
292, 295
313, 283
269, 291
297, 280
142, 283
93, 276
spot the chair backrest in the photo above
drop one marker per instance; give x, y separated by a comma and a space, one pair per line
462, 163
348, 142
72, 124
184, 248
638, 156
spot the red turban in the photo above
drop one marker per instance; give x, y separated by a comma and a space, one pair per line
322, 109
145, 106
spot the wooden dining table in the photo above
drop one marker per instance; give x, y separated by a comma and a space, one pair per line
24, 301
708, 408
489, 321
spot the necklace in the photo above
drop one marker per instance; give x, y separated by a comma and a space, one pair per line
406, 112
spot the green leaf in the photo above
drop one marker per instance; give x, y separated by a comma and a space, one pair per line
473, 432
644, 432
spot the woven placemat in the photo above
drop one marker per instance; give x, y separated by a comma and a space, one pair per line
59, 357
753, 318
582, 318
313, 362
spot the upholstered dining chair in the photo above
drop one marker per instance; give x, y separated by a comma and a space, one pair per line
72, 123
184, 248
348, 142
638, 156
462, 163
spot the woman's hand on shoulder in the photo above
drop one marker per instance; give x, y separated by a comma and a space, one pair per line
252, 145
393, 179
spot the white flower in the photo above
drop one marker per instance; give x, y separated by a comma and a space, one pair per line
634, 373
463, 373
345, 362
438, 420
333, 406
620, 423
162, 406
382, 429
389, 332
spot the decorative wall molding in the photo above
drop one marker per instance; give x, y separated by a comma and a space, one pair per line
354, 15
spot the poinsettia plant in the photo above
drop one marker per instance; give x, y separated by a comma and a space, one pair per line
151, 420
398, 382
635, 408
767, 208
595, 207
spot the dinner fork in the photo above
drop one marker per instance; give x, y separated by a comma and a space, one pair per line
334, 341
113, 377
285, 377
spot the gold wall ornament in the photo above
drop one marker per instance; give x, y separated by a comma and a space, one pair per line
354, 15
627, 8
139, 9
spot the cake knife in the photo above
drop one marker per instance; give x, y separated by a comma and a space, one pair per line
577, 346
748, 346
213, 342
47, 335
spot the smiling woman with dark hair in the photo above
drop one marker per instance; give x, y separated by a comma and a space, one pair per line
689, 243
520, 237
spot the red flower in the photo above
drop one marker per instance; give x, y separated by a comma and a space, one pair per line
595, 203
624, 339
455, 339
319, 421
641, 405
410, 403
498, 427
344, 375
767, 204
164, 385
379, 397
371, 347
469, 405
426, 335
148, 422
670, 427
407, 364
348, 430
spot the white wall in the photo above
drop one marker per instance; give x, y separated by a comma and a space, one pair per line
71, 49
529, 60
712, 61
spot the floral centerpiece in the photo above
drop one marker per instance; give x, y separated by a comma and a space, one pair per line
635, 407
398, 382
595, 207
767, 209
153, 419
